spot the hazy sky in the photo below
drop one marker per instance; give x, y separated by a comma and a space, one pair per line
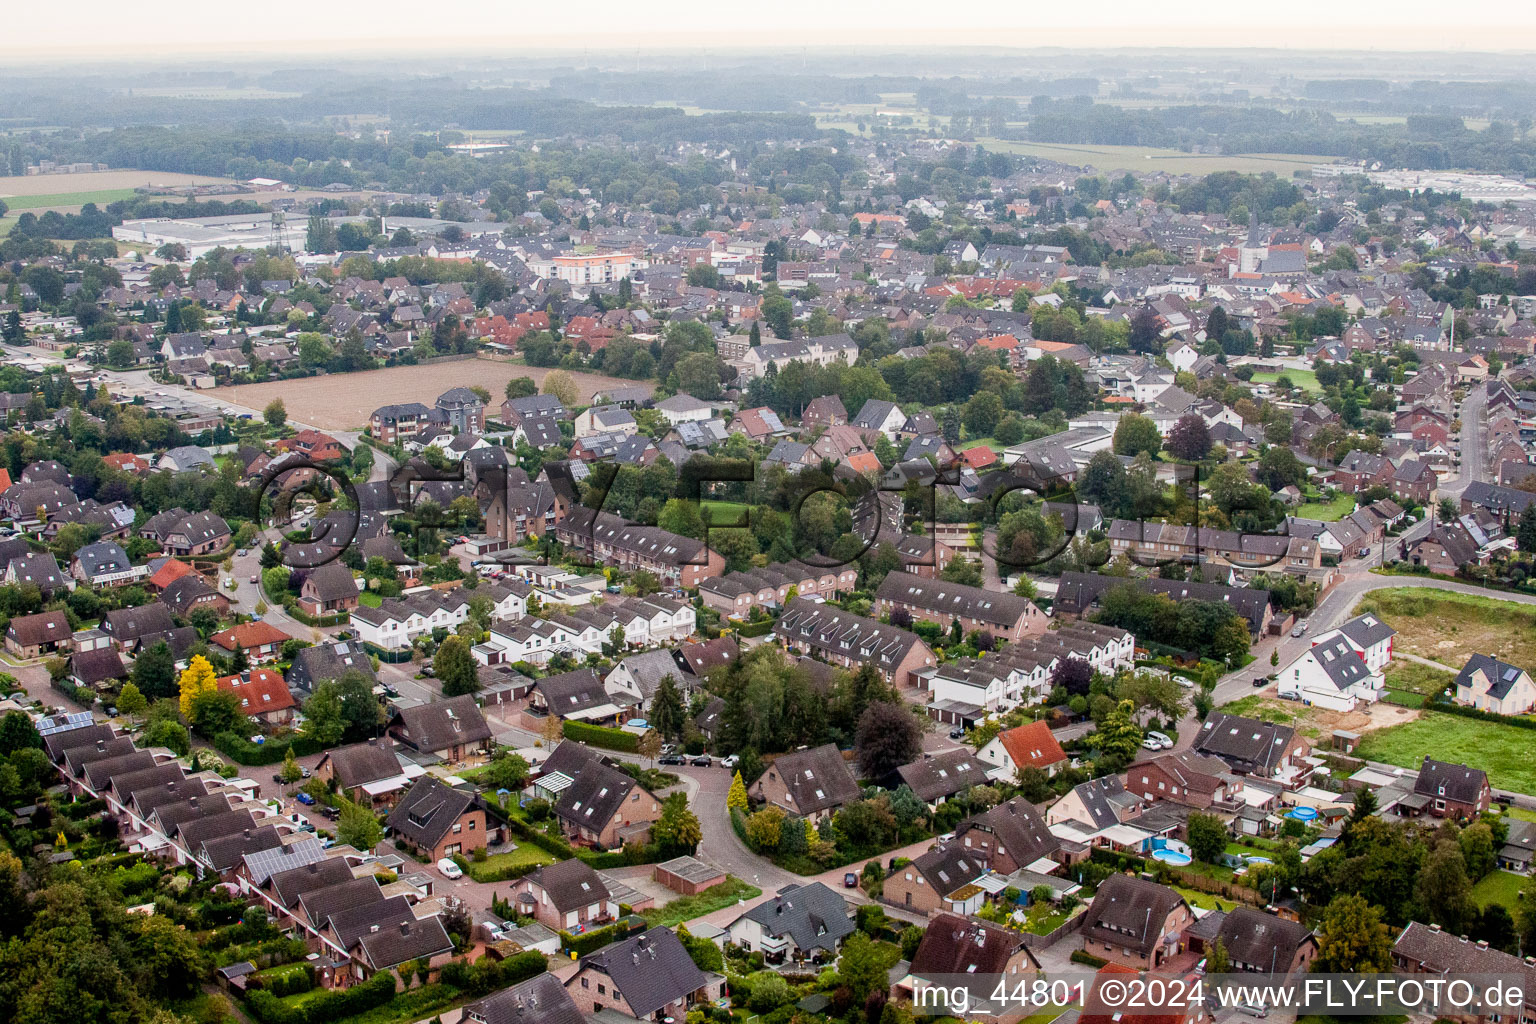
134, 30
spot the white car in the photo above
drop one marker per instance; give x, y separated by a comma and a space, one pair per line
730, 762
1162, 738
449, 868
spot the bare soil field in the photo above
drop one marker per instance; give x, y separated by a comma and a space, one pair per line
96, 181
344, 400
1315, 723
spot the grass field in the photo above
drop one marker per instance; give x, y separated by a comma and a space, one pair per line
1416, 678
60, 200
1327, 512
97, 181
368, 599
686, 908
527, 853
1503, 751
723, 513
1145, 158
1449, 627
1501, 887
1304, 379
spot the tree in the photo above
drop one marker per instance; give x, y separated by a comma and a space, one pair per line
1190, 439
677, 830
1207, 837
154, 672
563, 386
765, 828
358, 827
1119, 737
1136, 433
736, 799
169, 734
1073, 675
650, 745
888, 737
1216, 959
552, 730
668, 716
1216, 324
1442, 889
1353, 939
276, 413
131, 701
454, 664
18, 733
291, 772
323, 721
1034, 783
1525, 536
196, 684
521, 387
863, 966
507, 771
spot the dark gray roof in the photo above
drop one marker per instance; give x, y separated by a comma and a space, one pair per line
360, 763
315, 665
817, 779
290, 884
539, 1000
224, 852
650, 970
133, 623
1501, 675
397, 936
91, 667
1367, 630
102, 558
319, 904
813, 916
953, 944
443, 724
947, 600
1339, 662
595, 795
1448, 781
1129, 912
332, 582
943, 775
570, 884
1247, 744
1261, 942
428, 810
1018, 828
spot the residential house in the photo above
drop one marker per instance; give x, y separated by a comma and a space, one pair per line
328, 590
1011, 837
263, 695
954, 945
1261, 943
647, 977
1030, 745
1333, 675
799, 922
1252, 747
565, 896
261, 641
452, 729
935, 778
811, 783
541, 999
437, 821
941, 880
852, 640
32, 636
1188, 779
1488, 684
369, 773
1454, 790
1134, 923
606, 809
1004, 615
196, 534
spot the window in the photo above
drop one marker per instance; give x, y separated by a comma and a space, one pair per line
584, 983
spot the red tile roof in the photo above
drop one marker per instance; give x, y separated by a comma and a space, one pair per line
978, 456
261, 690
172, 570
250, 635
1032, 744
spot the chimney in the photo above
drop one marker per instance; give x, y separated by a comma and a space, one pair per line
405, 927
1434, 927
1482, 943
372, 928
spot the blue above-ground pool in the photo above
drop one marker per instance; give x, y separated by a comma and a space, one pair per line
1302, 813
1175, 857
1258, 860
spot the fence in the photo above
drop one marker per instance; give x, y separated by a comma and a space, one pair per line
1066, 927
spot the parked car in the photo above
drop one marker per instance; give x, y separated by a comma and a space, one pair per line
330, 813
450, 869
672, 759
1299, 628
255, 577
730, 762
703, 761
305, 799
850, 880
958, 732
1259, 682
1162, 738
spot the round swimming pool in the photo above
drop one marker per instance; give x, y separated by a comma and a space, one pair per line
1258, 860
1302, 813
1171, 857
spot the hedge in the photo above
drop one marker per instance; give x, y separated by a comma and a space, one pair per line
1080, 957
293, 609
762, 628
242, 751
327, 1006
587, 942
602, 736
1445, 707
78, 694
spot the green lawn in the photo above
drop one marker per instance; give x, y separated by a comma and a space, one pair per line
1449, 628
1501, 887
978, 442
1304, 379
1204, 900
1327, 512
369, 599
1503, 751
526, 853
686, 908
1416, 678
723, 513
100, 198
